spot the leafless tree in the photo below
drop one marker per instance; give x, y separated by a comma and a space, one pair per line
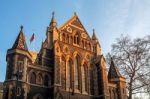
133, 59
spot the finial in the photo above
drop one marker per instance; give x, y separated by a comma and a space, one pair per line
94, 35
53, 13
21, 27
93, 30
53, 20
75, 13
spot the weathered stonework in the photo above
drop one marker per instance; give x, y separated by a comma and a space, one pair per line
69, 65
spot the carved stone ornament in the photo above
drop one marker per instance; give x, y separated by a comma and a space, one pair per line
69, 29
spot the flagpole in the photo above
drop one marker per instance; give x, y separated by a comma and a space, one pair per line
32, 41
33, 46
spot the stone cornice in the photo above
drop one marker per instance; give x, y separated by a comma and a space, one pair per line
20, 52
40, 68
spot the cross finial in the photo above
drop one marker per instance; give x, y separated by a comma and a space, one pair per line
53, 13
75, 13
21, 27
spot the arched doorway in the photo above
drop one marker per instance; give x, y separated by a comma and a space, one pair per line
38, 96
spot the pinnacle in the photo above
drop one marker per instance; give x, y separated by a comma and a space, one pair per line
94, 35
20, 42
53, 22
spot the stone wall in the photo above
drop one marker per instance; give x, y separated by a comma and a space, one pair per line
1, 90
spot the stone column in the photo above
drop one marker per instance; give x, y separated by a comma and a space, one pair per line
10, 92
25, 69
25, 91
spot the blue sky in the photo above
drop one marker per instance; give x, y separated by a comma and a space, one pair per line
110, 19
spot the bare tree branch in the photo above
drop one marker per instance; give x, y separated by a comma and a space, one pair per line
133, 58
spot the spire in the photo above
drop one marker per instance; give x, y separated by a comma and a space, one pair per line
113, 71
20, 42
94, 35
53, 22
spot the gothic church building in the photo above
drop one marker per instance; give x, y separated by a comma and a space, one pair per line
69, 65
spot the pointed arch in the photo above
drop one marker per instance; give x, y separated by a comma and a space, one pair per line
38, 96
46, 80
71, 40
69, 74
84, 72
77, 64
63, 37
85, 45
63, 72
77, 38
67, 38
33, 78
89, 46
82, 43
40, 79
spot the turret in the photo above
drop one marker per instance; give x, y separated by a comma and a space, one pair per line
96, 44
115, 77
46, 52
52, 32
53, 22
17, 60
19, 55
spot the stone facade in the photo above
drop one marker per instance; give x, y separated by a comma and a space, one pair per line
1, 90
69, 65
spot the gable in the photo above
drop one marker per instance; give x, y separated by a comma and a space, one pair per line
77, 23
74, 25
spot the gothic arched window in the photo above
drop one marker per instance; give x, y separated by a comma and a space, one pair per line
110, 92
76, 72
20, 66
38, 96
71, 40
85, 45
40, 79
91, 80
82, 44
46, 80
33, 78
20, 69
63, 73
77, 39
89, 46
69, 74
94, 49
67, 38
63, 37
18, 91
84, 78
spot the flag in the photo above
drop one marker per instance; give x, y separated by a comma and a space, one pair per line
32, 38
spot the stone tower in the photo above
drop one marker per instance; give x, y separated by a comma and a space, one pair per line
17, 60
114, 76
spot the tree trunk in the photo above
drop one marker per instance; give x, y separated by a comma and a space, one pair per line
130, 89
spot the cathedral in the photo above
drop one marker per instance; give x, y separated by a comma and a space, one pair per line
69, 65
